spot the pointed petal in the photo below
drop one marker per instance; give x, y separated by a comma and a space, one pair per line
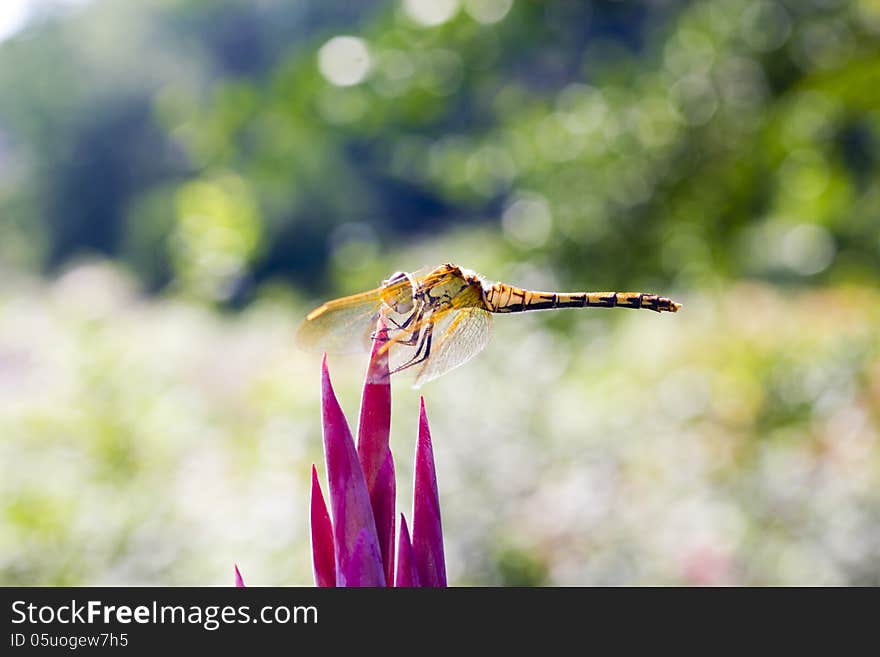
353, 522
372, 445
323, 554
239, 582
406, 565
427, 534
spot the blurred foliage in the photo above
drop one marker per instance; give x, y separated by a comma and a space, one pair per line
619, 144
252, 154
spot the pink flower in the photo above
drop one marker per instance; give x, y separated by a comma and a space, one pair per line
356, 547
353, 544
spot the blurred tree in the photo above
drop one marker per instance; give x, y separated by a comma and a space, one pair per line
645, 141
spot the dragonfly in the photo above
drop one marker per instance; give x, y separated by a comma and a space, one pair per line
439, 320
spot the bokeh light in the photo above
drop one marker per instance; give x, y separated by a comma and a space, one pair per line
344, 60
528, 220
487, 11
430, 12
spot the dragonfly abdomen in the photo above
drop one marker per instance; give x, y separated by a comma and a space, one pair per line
502, 298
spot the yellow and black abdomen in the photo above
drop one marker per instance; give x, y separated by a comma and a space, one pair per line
502, 298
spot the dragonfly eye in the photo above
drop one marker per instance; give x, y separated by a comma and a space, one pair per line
403, 306
400, 301
396, 277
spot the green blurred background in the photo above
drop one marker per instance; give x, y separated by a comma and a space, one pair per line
180, 180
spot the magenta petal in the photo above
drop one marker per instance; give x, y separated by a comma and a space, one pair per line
372, 445
375, 418
382, 500
354, 529
323, 554
239, 582
361, 565
406, 565
427, 534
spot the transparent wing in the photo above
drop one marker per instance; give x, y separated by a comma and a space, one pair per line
342, 325
457, 336
346, 324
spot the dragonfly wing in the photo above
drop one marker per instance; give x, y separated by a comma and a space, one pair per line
457, 336
347, 324
342, 325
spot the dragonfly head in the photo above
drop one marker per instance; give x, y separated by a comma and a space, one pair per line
399, 298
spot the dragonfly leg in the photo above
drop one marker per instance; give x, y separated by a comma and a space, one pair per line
424, 344
415, 313
396, 326
415, 336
